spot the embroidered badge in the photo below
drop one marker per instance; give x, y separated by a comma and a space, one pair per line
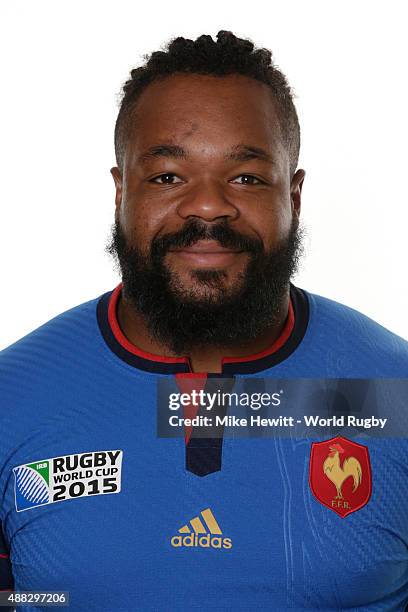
340, 475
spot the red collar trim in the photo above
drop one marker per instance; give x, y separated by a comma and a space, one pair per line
279, 342
121, 338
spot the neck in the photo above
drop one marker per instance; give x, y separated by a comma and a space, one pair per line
202, 359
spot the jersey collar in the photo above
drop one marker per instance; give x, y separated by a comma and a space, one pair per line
289, 339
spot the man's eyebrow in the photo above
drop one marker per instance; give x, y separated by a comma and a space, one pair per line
164, 150
238, 153
244, 152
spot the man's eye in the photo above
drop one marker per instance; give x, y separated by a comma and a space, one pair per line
247, 179
166, 179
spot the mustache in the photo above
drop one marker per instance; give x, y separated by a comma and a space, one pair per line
195, 230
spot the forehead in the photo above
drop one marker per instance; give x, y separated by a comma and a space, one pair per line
206, 114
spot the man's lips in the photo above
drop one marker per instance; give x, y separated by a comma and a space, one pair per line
206, 252
204, 246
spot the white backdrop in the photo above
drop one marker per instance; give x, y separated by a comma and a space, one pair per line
63, 64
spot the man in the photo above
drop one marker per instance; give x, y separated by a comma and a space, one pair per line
207, 238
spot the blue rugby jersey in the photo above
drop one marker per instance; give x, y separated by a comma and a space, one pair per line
94, 503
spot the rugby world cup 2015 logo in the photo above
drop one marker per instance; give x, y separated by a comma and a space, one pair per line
67, 477
32, 485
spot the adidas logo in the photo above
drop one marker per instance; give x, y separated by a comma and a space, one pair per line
203, 531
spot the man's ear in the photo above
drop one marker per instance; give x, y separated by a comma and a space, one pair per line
296, 190
117, 177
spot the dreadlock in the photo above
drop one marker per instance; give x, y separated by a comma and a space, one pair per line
228, 55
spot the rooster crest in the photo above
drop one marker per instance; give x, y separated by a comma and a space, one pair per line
338, 474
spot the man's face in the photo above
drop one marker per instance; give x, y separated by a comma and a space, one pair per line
206, 193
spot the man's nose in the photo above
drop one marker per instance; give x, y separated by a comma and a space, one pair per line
207, 201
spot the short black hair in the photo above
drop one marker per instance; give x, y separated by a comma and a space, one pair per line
228, 55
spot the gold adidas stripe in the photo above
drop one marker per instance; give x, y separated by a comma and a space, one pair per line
197, 525
212, 524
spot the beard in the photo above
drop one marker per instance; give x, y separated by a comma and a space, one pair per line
207, 313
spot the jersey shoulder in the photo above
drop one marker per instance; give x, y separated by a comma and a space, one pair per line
61, 340
356, 336
42, 375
